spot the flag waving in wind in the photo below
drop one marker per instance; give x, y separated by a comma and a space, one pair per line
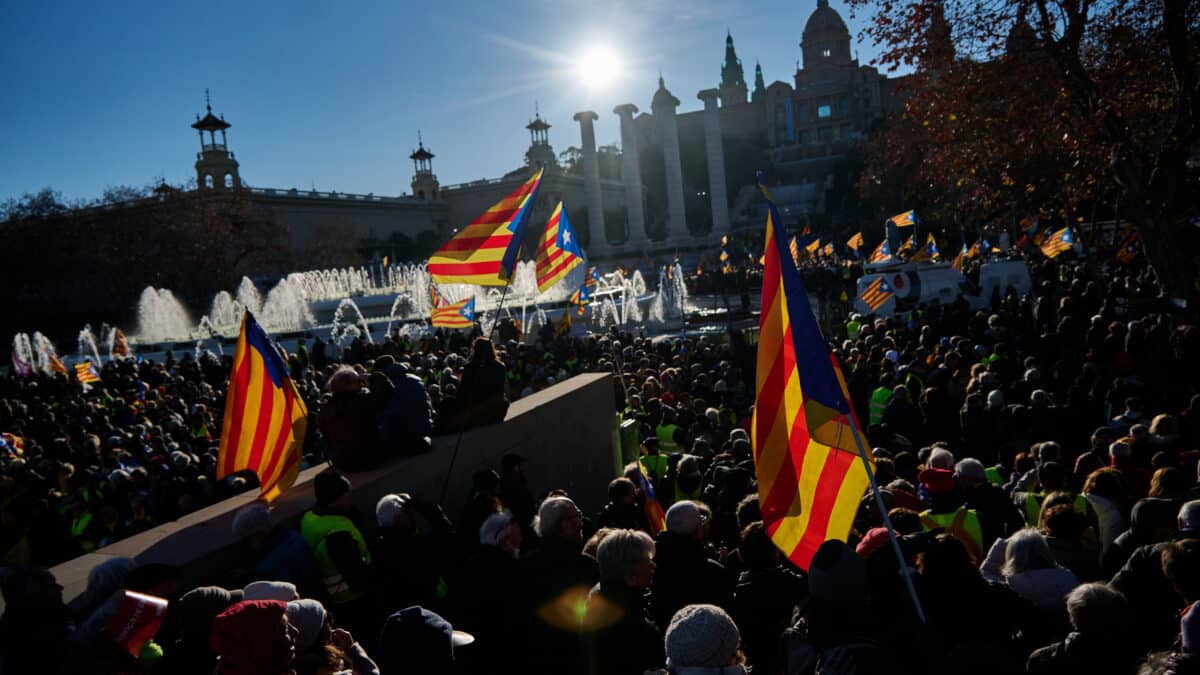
580, 298
460, 314
485, 252
559, 252
809, 480
86, 373
265, 418
1055, 244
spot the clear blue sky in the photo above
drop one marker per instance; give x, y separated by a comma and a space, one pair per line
332, 94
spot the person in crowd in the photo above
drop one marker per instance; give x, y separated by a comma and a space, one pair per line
622, 510
410, 558
947, 511
689, 570
485, 591
481, 396
766, 598
190, 652
997, 516
1106, 496
349, 420
276, 553
337, 544
703, 640
417, 640
36, 625
619, 635
254, 636
320, 648
406, 419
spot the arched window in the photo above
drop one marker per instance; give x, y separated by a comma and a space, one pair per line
229, 181
208, 181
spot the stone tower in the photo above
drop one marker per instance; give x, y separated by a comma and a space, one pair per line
424, 182
540, 155
760, 87
216, 169
733, 80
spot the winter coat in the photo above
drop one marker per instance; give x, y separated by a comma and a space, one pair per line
554, 574
764, 605
408, 412
1111, 520
1046, 588
633, 643
1080, 654
350, 423
685, 575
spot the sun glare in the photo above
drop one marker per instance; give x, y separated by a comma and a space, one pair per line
597, 68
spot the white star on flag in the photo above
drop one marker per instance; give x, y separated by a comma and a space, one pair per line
566, 237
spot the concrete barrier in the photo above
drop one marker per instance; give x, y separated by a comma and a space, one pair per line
566, 431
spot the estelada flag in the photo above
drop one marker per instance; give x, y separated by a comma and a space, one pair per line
265, 418
656, 518
1055, 244
563, 326
580, 298
854, 243
435, 298
460, 314
559, 252
485, 252
55, 364
810, 480
120, 344
881, 252
86, 373
592, 278
906, 219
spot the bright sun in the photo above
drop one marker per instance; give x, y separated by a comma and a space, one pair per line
598, 67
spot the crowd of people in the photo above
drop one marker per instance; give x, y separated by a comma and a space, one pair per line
1038, 462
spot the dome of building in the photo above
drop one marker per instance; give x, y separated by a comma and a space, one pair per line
663, 97
824, 21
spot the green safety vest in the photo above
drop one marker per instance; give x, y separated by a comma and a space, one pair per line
993, 475
316, 529
1033, 507
654, 466
666, 438
879, 400
852, 328
79, 527
962, 524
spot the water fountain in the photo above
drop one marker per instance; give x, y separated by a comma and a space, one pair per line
339, 317
161, 317
86, 344
43, 349
22, 351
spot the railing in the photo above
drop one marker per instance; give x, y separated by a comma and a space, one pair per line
347, 196
212, 146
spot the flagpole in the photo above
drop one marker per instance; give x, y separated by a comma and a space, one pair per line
912, 592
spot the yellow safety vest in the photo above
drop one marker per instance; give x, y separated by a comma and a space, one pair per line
654, 466
666, 438
879, 400
316, 530
962, 524
1033, 507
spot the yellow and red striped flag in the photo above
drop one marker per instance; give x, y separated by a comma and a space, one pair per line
960, 258
559, 252
656, 517
56, 364
794, 249
563, 325
1127, 246
580, 298
460, 314
877, 293
1055, 244
485, 252
265, 418
435, 297
854, 243
809, 484
906, 219
881, 252
86, 373
813, 246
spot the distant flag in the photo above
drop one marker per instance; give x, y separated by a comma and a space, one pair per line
809, 484
120, 343
806, 231
906, 219
960, 259
558, 252
881, 253
435, 296
928, 251
974, 251
86, 373
855, 242
828, 249
460, 314
877, 293
580, 298
385, 261
1127, 246
20, 368
724, 255
727, 269
592, 278
55, 364
12, 443
907, 245
656, 517
265, 417
563, 326
1058, 242
724, 240
794, 249
136, 620
485, 252
813, 246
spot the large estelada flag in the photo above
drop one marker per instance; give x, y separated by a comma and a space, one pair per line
86, 373
558, 252
485, 252
810, 478
1055, 244
265, 418
906, 219
459, 314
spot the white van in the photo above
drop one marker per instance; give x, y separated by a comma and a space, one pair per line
922, 283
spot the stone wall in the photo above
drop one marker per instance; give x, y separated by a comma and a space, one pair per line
567, 432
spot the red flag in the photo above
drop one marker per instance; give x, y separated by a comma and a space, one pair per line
137, 620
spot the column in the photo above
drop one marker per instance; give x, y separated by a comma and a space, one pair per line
598, 239
664, 114
716, 160
631, 175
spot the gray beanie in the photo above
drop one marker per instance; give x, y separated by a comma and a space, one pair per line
701, 636
308, 618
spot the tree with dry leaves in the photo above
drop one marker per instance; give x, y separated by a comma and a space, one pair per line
1060, 107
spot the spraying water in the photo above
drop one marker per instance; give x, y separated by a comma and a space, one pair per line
339, 318
86, 344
